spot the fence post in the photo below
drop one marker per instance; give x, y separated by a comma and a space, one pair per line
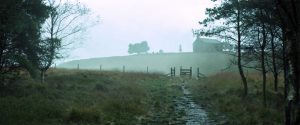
147, 69
191, 72
174, 71
100, 67
123, 68
77, 66
180, 71
198, 72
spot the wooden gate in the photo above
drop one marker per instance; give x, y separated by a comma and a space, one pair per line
200, 75
173, 73
186, 72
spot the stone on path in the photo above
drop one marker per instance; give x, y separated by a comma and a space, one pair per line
194, 114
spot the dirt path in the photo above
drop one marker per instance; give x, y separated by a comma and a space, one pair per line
194, 114
182, 111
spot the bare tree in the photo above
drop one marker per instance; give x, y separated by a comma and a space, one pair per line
66, 19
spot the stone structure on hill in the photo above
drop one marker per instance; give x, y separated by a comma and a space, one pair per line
207, 45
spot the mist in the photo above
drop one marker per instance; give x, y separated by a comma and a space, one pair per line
164, 24
149, 62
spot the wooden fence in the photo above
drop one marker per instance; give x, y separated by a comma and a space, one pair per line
182, 71
173, 72
200, 75
123, 68
186, 72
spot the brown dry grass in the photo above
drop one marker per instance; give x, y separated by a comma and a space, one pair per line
222, 95
82, 97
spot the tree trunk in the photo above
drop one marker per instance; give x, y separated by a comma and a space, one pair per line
263, 67
296, 74
42, 76
289, 13
286, 82
264, 76
2, 51
275, 72
243, 78
292, 75
288, 113
293, 78
297, 66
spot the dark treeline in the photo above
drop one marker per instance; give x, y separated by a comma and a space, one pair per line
266, 34
20, 35
32, 34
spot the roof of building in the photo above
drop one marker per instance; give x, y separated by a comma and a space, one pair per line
207, 40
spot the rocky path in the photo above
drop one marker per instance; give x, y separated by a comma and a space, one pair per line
183, 111
194, 114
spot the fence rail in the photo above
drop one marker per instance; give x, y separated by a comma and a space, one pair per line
200, 75
186, 72
121, 68
182, 71
173, 72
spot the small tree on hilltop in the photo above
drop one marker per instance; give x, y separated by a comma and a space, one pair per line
138, 48
130, 48
161, 51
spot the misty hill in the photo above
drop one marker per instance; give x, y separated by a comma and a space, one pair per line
207, 62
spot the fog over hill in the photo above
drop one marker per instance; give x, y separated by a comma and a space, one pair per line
207, 62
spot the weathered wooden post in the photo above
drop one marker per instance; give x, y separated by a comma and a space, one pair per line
100, 67
198, 72
123, 68
77, 66
173, 73
180, 71
147, 69
191, 72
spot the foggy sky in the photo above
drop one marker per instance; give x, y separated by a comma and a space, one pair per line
165, 24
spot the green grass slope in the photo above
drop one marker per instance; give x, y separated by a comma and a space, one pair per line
208, 63
84, 98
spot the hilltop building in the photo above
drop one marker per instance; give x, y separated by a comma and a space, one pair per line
206, 45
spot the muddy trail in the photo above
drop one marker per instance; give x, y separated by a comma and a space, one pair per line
182, 110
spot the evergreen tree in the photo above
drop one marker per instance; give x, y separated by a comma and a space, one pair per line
21, 21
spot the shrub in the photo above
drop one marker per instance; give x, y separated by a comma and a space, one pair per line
84, 115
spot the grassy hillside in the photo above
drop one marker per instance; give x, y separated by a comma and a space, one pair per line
222, 94
78, 97
207, 62
84, 98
